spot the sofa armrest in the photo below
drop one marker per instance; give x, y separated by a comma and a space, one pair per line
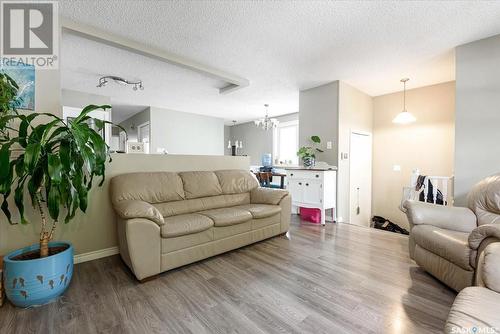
267, 196
446, 217
286, 213
138, 209
482, 232
140, 246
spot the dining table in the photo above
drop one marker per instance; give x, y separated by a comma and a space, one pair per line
266, 178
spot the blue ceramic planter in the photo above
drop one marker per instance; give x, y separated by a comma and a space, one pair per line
36, 282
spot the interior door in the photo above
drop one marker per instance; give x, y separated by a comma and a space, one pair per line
360, 179
143, 135
122, 141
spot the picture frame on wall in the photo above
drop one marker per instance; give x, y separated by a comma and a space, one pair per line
24, 75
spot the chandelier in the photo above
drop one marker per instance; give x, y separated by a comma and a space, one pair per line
266, 123
103, 81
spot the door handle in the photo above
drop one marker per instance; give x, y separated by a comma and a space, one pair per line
300, 183
307, 184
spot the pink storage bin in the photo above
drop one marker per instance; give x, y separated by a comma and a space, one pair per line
311, 215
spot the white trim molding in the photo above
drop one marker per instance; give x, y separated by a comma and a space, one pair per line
233, 82
94, 255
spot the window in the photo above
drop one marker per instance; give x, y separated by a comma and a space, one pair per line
286, 143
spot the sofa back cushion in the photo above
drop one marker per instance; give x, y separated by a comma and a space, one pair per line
484, 200
154, 187
200, 184
168, 209
236, 181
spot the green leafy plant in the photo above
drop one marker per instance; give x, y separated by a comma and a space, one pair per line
54, 162
310, 151
8, 94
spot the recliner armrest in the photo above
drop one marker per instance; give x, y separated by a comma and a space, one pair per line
446, 217
267, 196
482, 232
138, 209
490, 268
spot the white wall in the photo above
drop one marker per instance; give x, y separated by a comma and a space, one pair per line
355, 114
227, 137
256, 141
185, 133
76, 99
130, 124
477, 134
318, 115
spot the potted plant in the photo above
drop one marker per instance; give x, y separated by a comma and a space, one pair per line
308, 153
55, 164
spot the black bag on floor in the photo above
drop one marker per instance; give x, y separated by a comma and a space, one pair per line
385, 224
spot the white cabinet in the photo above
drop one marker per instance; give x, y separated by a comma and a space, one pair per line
312, 192
313, 189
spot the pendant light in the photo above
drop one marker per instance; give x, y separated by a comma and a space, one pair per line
404, 117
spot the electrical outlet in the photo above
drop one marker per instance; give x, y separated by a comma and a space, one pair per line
396, 168
329, 145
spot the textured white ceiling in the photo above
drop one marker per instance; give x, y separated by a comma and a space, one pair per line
280, 46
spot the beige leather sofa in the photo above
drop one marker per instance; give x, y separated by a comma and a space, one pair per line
479, 307
449, 241
167, 219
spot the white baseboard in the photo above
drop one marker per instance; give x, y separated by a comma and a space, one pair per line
96, 254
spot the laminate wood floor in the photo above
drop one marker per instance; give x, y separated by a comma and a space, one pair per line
336, 279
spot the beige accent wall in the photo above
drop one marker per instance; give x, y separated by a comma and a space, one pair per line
355, 114
427, 144
96, 230
48, 91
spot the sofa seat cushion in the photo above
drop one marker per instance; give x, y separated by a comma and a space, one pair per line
227, 216
261, 210
474, 307
450, 245
176, 226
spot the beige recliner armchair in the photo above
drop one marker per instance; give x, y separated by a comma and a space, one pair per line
477, 307
448, 242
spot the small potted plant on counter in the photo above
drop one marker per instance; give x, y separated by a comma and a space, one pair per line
308, 153
55, 164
